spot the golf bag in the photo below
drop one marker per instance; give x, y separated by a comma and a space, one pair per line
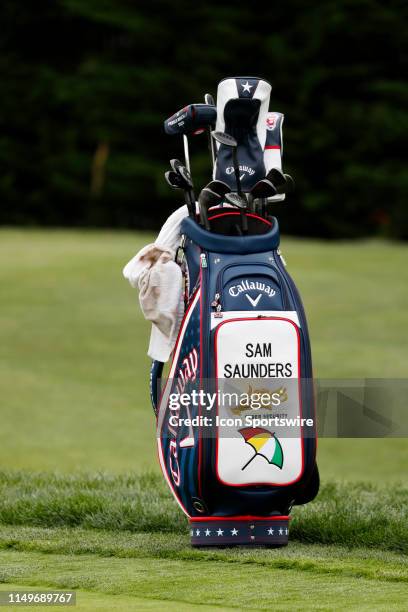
236, 467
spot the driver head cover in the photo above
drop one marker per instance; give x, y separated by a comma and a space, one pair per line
242, 108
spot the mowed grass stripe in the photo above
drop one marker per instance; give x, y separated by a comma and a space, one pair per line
88, 601
235, 584
370, 564
353, 515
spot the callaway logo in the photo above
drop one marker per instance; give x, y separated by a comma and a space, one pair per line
247, 285
248, 169
255, 301
187, 372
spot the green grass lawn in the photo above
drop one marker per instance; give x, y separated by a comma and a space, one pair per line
125, 537
74, 398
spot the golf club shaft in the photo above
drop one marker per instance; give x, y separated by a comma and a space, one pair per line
190, 201
186, 152
213, 149
211, 145
204, 218
244, 221
236, 171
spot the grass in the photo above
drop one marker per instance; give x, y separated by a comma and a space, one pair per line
353, 515
160, 570
73, 364
74, 381
226, 584
313, 558
91, 601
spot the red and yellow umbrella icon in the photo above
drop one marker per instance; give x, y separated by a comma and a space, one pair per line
265, 444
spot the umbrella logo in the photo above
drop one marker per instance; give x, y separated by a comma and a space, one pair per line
265, 444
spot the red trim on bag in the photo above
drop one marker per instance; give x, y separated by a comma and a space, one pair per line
197, 519
193, 297
199, 450
252, 484
238, 214
160, 453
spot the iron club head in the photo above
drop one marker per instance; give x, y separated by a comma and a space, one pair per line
174, 179
290, 183
219, 187
240, 202
175, 163
284, 183
179, 168
186, 176
177, 181
263, 189
224, 139
236, 200
276, 177
206, 199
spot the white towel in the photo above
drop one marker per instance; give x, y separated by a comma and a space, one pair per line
160, 282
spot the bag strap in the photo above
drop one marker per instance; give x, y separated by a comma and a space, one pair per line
156, 371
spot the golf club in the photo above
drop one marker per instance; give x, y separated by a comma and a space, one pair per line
192, 119
177, 181
240, 202
180, 169
175, 163
261, 191
208, 99
219, 187
206, 199
173, 179
284, 183
230, 141
186, 176
290, 183
186, 152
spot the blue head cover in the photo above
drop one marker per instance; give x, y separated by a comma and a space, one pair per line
191, 119
242, 109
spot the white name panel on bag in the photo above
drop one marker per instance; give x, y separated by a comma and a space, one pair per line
259, 413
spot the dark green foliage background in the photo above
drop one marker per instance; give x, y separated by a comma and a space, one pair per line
77, 73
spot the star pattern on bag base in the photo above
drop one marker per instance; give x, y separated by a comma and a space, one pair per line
241, 532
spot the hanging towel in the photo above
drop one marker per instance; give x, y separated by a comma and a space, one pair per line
160, 282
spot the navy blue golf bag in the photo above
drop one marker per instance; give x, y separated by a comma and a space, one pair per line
236, 466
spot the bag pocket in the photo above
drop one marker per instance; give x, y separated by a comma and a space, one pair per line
249, 287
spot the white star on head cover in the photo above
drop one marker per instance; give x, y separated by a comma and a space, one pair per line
247, 87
